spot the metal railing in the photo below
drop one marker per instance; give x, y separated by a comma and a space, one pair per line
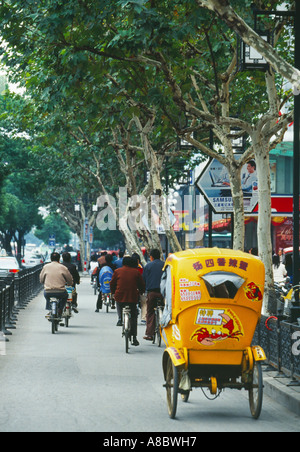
15, 293
281, 343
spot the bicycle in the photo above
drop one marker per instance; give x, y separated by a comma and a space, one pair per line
277, 299
53, 315
108, 301
67, 314
95, 285
290, 299
158, 316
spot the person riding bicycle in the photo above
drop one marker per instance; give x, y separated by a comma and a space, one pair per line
75, 275
55, 276
152, 276
126, 284
93, 268
105, 277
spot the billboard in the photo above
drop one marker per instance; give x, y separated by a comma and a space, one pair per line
215, 186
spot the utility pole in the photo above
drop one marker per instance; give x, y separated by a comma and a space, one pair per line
296, 264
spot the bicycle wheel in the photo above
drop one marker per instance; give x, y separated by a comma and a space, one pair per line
172, 388
127, 339
155, 330
67, 314
126, 322
126, 331
158, 328
159, 338
256, 391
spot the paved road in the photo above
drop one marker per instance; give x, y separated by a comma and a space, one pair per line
81, 380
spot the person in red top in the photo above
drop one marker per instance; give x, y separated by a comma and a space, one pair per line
138, 264
126, 285
143, 298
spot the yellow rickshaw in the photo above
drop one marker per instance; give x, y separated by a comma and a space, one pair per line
213, 302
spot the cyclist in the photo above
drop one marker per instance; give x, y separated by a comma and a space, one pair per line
105, 277
119, 262
76, 278
152, 276
55, 277
126, 284
93, 267
143, 298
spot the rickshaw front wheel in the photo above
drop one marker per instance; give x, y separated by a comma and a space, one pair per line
172, 384
256, 391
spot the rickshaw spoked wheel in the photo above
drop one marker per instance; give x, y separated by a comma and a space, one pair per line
256, 391
172, 385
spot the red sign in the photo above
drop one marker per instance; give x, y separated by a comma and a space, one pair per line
284, 234
280, 204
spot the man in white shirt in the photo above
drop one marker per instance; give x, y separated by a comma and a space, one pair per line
249, 177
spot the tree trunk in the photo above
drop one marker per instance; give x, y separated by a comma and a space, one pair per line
7, 241
238, 208
264, 215
130, 237
154, 170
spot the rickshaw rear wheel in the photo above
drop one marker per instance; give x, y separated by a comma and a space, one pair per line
172, 384
256, 391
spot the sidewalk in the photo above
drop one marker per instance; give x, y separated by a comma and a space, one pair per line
277, 387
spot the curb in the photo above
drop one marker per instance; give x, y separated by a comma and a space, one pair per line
288, 396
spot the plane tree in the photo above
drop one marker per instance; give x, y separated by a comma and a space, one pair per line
49, 83
19, 205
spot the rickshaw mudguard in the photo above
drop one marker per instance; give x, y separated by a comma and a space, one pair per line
251, 355
258, 353
175, 355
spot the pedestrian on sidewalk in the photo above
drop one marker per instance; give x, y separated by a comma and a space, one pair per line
279, 270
